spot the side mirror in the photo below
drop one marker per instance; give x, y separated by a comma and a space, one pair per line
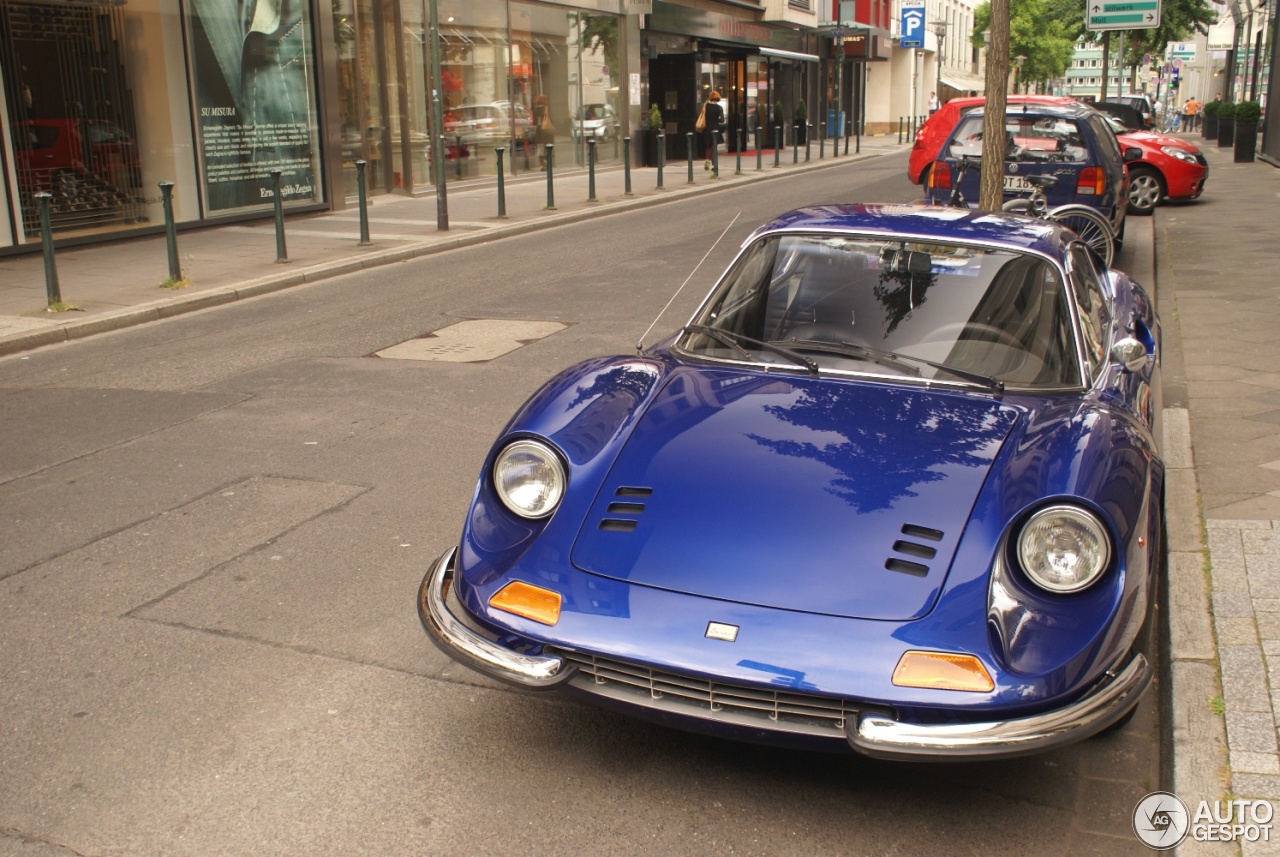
1131, 154
1129, 353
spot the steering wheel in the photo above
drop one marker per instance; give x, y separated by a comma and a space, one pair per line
955, 332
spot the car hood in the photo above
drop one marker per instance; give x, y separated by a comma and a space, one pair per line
1152, 138
836, 497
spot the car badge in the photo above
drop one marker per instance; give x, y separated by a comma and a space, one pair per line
1013, 168
722, 631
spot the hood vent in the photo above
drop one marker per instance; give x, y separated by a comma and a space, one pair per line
625, 509
914, 545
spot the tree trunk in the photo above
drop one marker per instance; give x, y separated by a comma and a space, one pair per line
991, 188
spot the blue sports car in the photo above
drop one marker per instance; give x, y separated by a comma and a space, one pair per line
896, 487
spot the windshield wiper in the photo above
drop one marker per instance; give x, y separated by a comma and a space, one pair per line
735, 341
899, 361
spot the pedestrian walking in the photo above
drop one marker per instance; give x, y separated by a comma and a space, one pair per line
934, 104
1189, 111
710, 120
544, 129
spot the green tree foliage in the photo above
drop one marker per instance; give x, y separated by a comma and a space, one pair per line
1036, 32
1045, 32
600, 33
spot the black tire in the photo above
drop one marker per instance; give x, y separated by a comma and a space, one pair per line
1146, 189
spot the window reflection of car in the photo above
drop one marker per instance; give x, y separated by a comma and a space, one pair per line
46, 148
596, 120
490, 124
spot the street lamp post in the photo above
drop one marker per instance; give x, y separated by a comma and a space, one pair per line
939, 30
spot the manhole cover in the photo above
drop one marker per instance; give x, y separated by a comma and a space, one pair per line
473, 341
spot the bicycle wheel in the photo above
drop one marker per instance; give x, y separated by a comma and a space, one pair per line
1092, 227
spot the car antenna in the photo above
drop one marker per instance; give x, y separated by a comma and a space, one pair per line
640, 344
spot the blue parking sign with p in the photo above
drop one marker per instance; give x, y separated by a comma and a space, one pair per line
912, 29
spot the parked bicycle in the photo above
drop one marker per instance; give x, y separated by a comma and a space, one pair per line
1092, 228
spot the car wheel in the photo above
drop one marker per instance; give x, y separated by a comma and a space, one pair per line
1146, 189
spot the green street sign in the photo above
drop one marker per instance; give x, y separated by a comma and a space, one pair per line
1122, 14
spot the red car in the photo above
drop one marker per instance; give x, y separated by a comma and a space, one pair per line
934, 132
1171, 167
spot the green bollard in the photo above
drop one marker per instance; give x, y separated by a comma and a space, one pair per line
591, 170
502, 187
170, 232
281, 255
550, 150
52, 293
662, 155
626, 166
364, 204
688, 140
777, 145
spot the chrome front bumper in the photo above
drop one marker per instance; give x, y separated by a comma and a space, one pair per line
1110, 700
870, 734
458, 640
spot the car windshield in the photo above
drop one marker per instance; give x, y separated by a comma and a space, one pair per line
927, 311
1028, 137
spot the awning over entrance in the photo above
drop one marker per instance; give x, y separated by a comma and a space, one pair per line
787, 55
963, 82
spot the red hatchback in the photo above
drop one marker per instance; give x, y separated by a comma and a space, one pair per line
934, 132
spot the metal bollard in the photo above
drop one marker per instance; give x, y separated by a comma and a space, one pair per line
715, 154
502, 185
741, 140
52, 293
777, 145
759, 151
795, 148
281, 255
662, 155
808, 141
822, 141
170, 232
899, 130
364, 204
591, 170
550, 150
688, 140
626, 166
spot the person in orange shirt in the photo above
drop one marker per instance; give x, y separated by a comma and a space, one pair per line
1190, 113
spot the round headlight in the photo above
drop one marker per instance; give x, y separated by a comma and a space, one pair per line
529, 478
1063, 548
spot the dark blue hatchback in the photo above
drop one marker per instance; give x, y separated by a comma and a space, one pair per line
1071, 142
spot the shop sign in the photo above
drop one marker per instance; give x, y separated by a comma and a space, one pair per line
255, 104
669, 18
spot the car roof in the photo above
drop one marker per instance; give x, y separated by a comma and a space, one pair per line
931, 222
1072, 109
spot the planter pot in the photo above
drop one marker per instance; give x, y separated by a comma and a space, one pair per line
801, 132
1226, 133
649, 142
1210, 130
1246, 144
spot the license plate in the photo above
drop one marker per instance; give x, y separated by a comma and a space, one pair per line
1017, 184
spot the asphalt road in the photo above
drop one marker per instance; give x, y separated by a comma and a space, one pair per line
214, 528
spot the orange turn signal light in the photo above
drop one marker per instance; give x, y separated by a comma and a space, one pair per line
531, 602
942, 671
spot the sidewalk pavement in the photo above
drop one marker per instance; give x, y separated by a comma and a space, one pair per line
118, 284
1219, 300
1214, 276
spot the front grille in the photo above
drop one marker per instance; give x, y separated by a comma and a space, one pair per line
740, 704
1202, 160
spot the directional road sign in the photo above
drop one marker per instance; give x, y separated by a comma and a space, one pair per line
1122, 14
913, 14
